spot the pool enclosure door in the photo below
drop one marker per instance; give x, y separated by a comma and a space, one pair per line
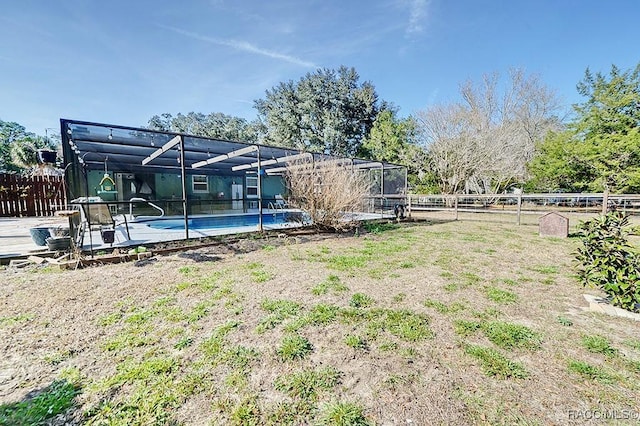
237, 191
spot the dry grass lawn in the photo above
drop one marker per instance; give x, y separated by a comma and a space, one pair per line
428, 323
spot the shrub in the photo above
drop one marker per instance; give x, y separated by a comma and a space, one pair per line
326, 189
608, 261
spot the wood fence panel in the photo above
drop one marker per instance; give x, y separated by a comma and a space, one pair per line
30, 196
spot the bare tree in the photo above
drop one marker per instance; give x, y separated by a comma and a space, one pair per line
483, 143
327, 190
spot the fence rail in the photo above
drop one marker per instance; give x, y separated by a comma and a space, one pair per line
520, 205
22, 196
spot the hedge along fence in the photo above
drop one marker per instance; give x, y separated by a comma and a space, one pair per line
520, 205
22, 196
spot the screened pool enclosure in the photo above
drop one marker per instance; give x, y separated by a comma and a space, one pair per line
132, 186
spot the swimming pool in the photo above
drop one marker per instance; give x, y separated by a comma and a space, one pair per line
221, 221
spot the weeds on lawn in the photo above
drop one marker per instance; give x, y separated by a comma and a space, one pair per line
632, 343
246, 412
213, 346
399, 297
184, 342
308, 383
51, 401
598, 345
346, 262
332, 283
590, 372
545, 269
343, 414
280, 310
378, 227
500, 296
466, 279
15, 319
320, 314
403, 323
511, 336
443, 308
465, 328
355, 342
294, 347
564, 321
188, 270
502, 334
360, 300
495, 364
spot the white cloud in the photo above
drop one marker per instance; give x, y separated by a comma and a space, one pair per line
244, 46
418, 14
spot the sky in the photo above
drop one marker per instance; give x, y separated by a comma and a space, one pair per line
121, 62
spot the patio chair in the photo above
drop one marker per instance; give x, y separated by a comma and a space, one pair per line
96, 216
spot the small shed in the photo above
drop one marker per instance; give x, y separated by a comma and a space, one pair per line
554, 224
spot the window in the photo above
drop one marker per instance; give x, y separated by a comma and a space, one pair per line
200, 183
252, 187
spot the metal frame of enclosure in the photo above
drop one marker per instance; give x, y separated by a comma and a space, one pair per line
187, 175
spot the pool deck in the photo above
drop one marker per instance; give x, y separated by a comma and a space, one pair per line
16, 241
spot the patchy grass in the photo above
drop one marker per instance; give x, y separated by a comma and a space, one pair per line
598, 345
403, 323
466, 328
343, 414
495, 364
500, 296
564, 321
308, 383
417, 321
443, 308
49, 402
294, 347
591, 372
379, 227
361, 300
356, 342
399, 297
331, 284
280, 310
15, 319
633, 343
511, 336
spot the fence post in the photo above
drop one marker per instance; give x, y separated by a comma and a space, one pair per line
409, 206
455, 205
605, 201
519, 206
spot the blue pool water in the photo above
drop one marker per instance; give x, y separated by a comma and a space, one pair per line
216, 222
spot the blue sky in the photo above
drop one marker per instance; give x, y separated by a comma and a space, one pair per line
120, 62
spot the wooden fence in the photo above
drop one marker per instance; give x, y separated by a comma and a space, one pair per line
30, 196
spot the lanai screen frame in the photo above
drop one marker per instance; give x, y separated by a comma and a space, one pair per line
87, 145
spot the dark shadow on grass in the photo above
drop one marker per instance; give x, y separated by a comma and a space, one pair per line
40, 406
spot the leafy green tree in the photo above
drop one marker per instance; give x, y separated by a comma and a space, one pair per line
215, 125
393, 140
389, 137
327, 111
9, 133
18, 148
601, 148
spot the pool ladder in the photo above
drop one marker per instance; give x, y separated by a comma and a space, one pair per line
276, 206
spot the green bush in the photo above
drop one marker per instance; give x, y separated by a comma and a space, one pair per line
608, 261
